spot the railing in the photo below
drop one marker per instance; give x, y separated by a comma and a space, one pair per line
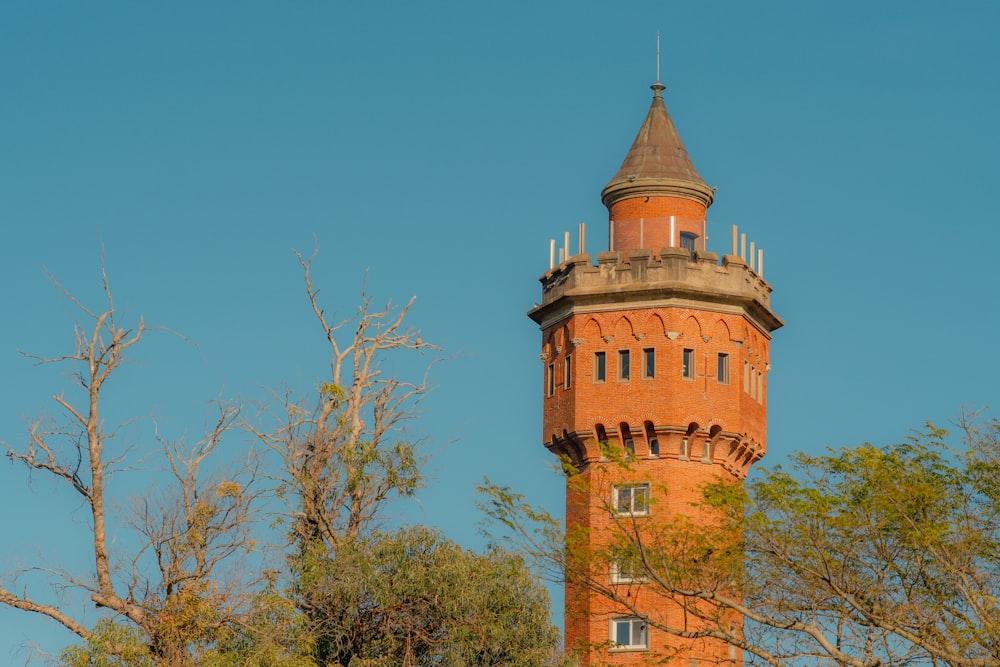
657, 233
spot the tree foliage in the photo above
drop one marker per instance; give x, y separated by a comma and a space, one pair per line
371, 598
887, 555
177, 593
860, 557
411, 598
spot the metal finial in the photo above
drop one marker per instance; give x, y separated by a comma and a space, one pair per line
658, 87
657, 56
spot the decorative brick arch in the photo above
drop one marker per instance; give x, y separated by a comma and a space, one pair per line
721, 334
592, 331
624, 330
691, 329
548, 344
560, 339
654, 325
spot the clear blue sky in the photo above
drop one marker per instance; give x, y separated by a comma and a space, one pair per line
438, 146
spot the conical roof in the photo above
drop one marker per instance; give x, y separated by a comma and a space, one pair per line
657, 164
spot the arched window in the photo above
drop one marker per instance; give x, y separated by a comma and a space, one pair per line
686, 442
602, 440
651, 439
627, 443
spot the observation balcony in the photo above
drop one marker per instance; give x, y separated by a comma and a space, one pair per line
675, 276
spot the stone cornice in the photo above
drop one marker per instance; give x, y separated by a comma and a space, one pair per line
632, 188
678, 279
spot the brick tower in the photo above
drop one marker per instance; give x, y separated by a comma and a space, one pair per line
655, 362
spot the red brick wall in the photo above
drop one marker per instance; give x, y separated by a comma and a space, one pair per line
668, 399
698, 410
671, 403
654, 230
674, 488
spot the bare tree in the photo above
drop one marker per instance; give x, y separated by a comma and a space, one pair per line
189, 534
345, 450
345, 453
177, 597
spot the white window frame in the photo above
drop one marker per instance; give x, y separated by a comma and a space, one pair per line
638, 634
619, 576
618, 491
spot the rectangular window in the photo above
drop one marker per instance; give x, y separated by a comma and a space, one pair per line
649, 363
550, 380
624, 365
654, 447
723, 369
760, 387
688, 364
684, 450
568, 372
688, 241
629, 634
630, 499
753, 382
600, 366
626, 571
746, 377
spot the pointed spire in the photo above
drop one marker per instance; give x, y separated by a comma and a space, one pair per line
657, 164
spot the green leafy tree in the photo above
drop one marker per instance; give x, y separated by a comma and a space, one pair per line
111, 644
273, 634
345, 452
861, 557
370, 598
886, 556
412, 598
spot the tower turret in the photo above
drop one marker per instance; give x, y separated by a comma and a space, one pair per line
657, 199
655, 382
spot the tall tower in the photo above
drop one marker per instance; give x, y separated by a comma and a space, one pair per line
655, 383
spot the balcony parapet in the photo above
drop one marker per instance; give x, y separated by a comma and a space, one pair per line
677, 277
